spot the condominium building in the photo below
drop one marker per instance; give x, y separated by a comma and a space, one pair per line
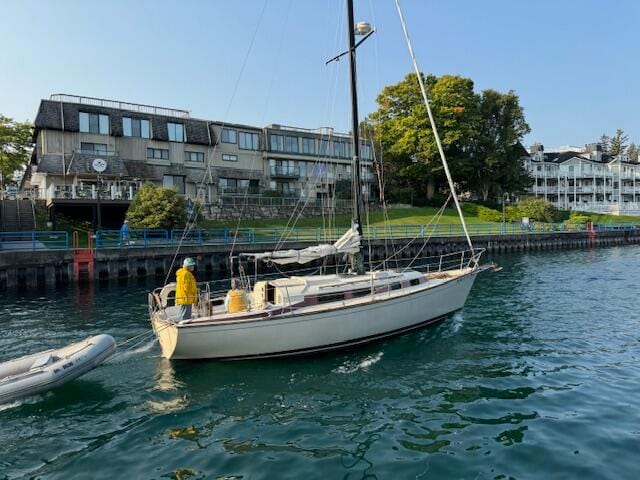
585, 179
95, 154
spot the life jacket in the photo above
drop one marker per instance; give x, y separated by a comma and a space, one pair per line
237, 301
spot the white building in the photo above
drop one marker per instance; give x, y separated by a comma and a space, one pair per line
585, 179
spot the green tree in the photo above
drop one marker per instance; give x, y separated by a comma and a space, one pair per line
496, 158
605, 142
537, 209
405, 135
618, 143
15, 147
157, 207
632, 151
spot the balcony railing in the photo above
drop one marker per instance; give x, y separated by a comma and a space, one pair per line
284, 172
91, 192
133, 107
97, 153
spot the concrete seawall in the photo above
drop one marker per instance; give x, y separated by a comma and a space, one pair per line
56, 267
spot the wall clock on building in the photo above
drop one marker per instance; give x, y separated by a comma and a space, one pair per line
99, 165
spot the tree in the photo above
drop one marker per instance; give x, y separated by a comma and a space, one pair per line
15, 147
632, 152
403, 130
157, 207
618, 143
605, 142
480, 136
497, 154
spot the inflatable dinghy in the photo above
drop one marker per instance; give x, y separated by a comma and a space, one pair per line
43, 371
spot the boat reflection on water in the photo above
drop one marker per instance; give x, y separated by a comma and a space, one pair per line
166, 390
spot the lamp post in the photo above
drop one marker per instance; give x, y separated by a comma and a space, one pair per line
505, 199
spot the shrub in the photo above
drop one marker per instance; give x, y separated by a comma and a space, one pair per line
537, 209
488, 214
470, 209
157, 207
513, 213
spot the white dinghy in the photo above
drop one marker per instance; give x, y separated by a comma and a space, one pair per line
43, 371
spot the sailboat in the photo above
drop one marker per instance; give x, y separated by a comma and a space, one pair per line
296, 315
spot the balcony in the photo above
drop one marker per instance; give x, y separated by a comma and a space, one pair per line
97, 153
237, 191
284, 172
91, 192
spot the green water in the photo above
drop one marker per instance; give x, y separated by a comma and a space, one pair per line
538, 377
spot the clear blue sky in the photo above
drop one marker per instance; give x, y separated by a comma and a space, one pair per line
574, 63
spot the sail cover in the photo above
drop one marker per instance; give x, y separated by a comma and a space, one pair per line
347, 243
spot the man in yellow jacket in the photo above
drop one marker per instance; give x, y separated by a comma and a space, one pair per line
186, 289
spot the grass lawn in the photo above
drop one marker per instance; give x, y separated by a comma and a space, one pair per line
397, 216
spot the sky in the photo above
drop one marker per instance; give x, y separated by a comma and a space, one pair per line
574, 63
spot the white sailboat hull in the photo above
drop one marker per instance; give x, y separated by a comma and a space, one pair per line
302, 333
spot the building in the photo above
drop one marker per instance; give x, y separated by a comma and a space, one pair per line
92, 155
585, 179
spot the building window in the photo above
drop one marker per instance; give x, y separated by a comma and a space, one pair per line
194, 157
135, 127
229, 158
94, 123
302, 166
324, 148
158, 153
238, 185
366, 151
229, 136
277, 143
174, 181
248, 141
291, 144
176, 132
309, 146
92, 147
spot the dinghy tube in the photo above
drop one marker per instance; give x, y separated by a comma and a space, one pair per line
46, 370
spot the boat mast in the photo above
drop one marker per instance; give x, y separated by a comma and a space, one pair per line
357, 261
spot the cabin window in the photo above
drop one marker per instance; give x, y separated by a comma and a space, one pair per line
414, 282
360, 293
334, 297
396, 286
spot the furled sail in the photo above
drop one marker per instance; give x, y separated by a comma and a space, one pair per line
347, 243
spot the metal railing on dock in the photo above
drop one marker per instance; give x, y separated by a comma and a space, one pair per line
221, 236
33, 240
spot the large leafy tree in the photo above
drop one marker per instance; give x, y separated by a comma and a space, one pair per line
480, 135
407, 139
15, 147
157, 207
497, 154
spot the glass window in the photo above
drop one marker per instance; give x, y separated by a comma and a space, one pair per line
229, 158
366, 151
277, 143
194, 157
176, 132
338, 149
158, 153
134, 127
84, 122
248, 141
229, 136
309, 146
303, 168
174, 181
86, 147
94, 123
291, 144
324, 147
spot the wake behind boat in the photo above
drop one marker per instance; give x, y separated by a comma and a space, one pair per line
306, 314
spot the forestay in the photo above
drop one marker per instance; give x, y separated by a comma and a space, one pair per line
349, 243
